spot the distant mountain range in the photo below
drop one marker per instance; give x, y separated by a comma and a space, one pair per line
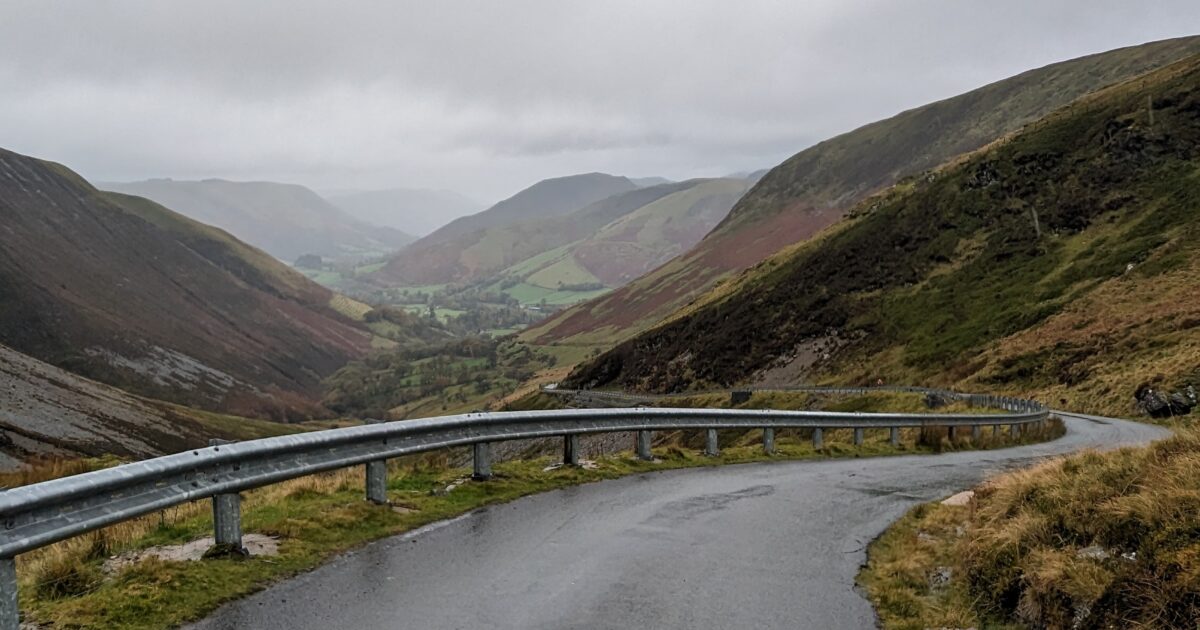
462, 251
815, 188
285, 220
124, 291
410, 210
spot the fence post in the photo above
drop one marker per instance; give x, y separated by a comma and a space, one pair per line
227, 514
643, 446
894, 436
376, 481
711, 447
376, 478
483, 461
818, 439
571, 450
10, 612
769, 441
858, 436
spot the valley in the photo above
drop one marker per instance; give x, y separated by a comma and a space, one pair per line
462, 302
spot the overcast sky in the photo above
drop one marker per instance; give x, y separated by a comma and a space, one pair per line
488, 97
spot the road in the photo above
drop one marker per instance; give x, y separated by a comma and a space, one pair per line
774, 545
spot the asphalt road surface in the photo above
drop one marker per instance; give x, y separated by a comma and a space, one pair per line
773, 545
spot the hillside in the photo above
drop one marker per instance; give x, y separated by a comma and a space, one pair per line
49, 412
129, 293
410, 210
462, 251
1062, 261
816, 187
284, 220
612, 254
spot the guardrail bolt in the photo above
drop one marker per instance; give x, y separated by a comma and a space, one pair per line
643, 446
858, 437
571, 450
769, 441
376, 478
483, 462
818, 439
894, 436
227, 520
711, 446
10, 613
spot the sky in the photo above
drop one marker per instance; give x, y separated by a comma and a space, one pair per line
486, 98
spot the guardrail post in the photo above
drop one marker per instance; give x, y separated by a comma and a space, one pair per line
10, 612
996, 429
818, 439
376, 481
1015, 431
643, 446
950, 433
711, 447
858, 437
769, 441
571, 450
483, 461
227, 520
375, 478
894, 436
227, 514
976, 432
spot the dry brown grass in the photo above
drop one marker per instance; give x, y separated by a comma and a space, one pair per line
1096, 540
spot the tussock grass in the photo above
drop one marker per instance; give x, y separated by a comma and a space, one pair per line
1096, 540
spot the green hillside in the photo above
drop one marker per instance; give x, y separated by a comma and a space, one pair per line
474, 247
815, 188
1062, 261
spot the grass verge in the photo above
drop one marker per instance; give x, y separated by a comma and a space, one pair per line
1095, 540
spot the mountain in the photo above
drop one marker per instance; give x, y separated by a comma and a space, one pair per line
49, 412
285, 220
461, 252
124, 291
649, 181
414, 211
1062, 261
815, 188
635, 241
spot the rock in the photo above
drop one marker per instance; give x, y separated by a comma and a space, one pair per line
934, 401
252, 545
940, 578
960, 499
1160, 404
1093, 552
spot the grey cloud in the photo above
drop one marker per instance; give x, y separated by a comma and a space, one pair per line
487, 97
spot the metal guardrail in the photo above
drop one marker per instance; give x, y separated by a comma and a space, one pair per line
40, 514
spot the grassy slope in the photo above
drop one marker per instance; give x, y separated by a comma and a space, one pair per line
526, 224
87, 275
946, 281
1092, 541
814, 188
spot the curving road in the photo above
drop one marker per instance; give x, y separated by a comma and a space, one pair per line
774, 545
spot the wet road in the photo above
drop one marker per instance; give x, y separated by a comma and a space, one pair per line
773, 545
